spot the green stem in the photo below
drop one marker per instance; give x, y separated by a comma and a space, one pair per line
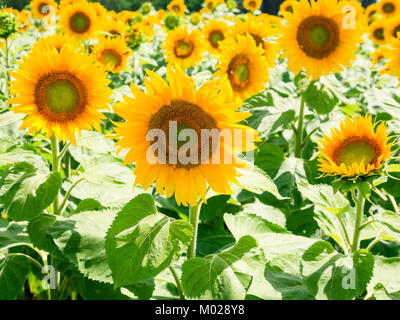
7, 60
299, 132
178, 282
373, 243
61, 207
194, 214
55, 166
359, 214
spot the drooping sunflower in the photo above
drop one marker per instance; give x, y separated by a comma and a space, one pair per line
112, 53
288, 6
79, 20
388, 8
392, 28
252, 5
371, 12
57, 41
43, 8
316, 39
214, 32
61, 92
179, 103
177, 7
183, 47
243, 69
392, 53
377, 31
359, 147
255, 27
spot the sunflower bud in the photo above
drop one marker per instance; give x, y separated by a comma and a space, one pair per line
171, 21
7, 25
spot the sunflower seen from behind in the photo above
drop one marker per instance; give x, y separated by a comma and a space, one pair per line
79, 20
112, 53
358, 147
214, 32
178, 102
243, 69
316, 39
61, 93
184, 47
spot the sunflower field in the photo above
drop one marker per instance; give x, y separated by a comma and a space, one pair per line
224, 154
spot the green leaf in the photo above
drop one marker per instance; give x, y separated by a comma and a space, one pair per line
12, 234
88, 205
269, 157
389, 225
142, 242
385, 283
319, 98
81, 240
332, 276
214, 277
13, 270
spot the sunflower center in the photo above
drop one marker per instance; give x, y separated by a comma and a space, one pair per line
318, 36
60, 96
215, 37
396, 30
388, 7
239, 72
379, 33
289, 9
252, 4
186, 116
176, 8
111, 58
183, 49
42, 7
79, 22
356, 150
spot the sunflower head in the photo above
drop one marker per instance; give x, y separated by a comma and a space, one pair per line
61, 92
22, 21
252, 5
358, 147
231, 4
392, 28
177, 7
79, 20
388, 8
112, 53
184, 47
7, 25
371, 12
214, 32
288, 6
146, 8
392, 54
134, 37
113, 28
377, 31
195, 18
172, 110
242, 68
57, 41
171, 21
43, 8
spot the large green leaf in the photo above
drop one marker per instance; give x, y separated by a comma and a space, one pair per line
215, 276
385, 283
330, 275
319, 98
13, 270
12, 234
142, 242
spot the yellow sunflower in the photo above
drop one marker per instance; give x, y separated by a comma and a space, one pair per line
388, 8
288, 6
61, 92
112, 53
113, 28
392, 28
195, 18
22, 21
178, 7
214, 32
255, 27
371, 12
79, 20
57, 41
359, 147
242, 67
392, 53
101, 12
252, 5
210, 5
378, 55
184, 47
271, 23
377, 31
316, 39
42, 8
180, 103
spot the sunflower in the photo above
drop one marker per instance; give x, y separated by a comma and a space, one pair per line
392, 28
388, 8
214, 32
22, 21
371, 12
210, 5
255, 27
252, 5
43, 8
79, 20
101, 11
184, 47
61, 92
112, 53
378, 55
180, 103
195, 18
113, 28
315, 38
288, 6
359, 147
392, 53
178, 7
57, 41
242, 67
271, 23
377, 31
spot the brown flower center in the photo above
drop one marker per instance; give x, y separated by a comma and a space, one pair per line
215, 37
318, 36
79, 22
239, 72
111, 58
379, 33
183, 48
388, 7
60, 96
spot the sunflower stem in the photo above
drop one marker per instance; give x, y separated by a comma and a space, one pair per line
55, 166
7, 61
359, 214
299, 131
178, 282
194, 214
